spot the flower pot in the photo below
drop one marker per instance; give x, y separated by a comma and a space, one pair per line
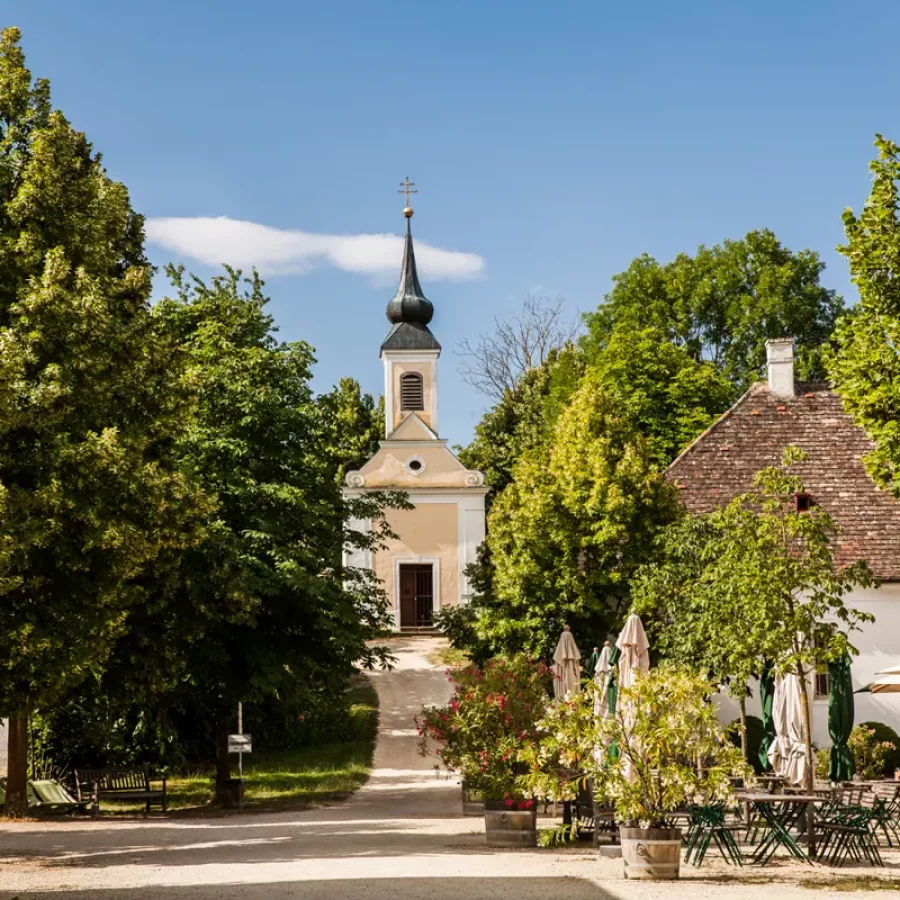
651, 853
506, 826
472, 802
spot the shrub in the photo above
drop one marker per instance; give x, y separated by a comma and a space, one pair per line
457, 624
492, 715
876, 750
755, 734
671, 727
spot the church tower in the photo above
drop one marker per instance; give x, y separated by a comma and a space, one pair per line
410, 351
423, 570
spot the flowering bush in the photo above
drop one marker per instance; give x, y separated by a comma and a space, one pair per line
491, 717
663, 751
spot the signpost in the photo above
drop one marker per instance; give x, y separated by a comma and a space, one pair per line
240, 743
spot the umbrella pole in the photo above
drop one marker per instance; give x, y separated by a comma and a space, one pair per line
810, 763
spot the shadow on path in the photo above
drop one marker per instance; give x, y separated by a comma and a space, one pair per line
359, 889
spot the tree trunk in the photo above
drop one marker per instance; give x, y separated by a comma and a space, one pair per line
742, 712
17, 766
810, 762
223, 760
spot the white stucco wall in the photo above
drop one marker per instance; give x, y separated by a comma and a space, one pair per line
879, 648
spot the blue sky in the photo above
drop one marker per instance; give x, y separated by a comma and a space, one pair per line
551, 143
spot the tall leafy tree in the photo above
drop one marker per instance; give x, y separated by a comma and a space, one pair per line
90, 402
666, 394
569, 531
866, 365
724, 302
756, 581
354, 422
281, 616
524, 418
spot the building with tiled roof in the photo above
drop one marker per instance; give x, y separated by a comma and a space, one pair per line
772, 415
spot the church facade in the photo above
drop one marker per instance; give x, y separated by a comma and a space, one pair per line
423, 570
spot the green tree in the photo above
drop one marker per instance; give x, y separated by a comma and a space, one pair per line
691, 621
354, 422
567, 534
724, 302
280, 615
523, 419
659, 388
758, 578
90, 402
866, 365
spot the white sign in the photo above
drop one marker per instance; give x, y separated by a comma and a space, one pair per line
239, 743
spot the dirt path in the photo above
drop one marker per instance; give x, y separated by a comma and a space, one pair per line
401, 837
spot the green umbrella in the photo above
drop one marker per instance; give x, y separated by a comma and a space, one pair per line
840, 720
587, 673
612, 697
766, 697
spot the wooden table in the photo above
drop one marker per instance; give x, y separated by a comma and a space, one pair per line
780, 821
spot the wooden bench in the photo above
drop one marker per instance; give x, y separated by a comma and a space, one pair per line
120, 783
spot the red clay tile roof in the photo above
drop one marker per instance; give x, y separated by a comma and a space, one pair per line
721, 463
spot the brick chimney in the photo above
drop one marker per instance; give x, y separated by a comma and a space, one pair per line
780, 366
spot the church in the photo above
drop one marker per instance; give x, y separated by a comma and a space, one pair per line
423, 570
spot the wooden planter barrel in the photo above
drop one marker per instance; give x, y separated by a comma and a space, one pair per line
472, 802
505, 827
651, 853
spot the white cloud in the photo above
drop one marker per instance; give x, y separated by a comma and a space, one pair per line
277, 251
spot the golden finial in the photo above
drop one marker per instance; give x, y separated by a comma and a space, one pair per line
406, 187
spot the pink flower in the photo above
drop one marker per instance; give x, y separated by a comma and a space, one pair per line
508, 802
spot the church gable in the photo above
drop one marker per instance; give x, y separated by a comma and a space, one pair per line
410, 464
412, 428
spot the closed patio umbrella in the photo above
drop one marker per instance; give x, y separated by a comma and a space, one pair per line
566, 668
766, 696
635, 650
840, 720
587, 673
635, 658
788, 752
886, 682
602, 675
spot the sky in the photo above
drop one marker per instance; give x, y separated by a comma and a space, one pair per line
551, 143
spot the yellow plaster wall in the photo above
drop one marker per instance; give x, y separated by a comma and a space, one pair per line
430, 530
425, 370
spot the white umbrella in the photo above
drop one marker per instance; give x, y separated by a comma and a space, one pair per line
886, 682
566, 669
788, 752
635, 650
602, 675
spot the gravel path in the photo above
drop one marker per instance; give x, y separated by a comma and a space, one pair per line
401, 837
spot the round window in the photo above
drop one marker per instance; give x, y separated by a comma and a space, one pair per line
415, 465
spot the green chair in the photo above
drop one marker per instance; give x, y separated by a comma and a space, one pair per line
707, 825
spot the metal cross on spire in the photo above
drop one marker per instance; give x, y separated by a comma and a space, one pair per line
406, 187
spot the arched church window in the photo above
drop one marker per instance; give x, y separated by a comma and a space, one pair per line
412, 391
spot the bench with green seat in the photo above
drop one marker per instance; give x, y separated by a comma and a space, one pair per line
46, 795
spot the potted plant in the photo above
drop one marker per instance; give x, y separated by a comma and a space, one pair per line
480, 735
663, 751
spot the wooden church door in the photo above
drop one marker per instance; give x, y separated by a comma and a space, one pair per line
416, 596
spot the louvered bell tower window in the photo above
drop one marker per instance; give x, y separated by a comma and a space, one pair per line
412, 391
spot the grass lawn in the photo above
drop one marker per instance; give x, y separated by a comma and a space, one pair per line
449, 657
287, 779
